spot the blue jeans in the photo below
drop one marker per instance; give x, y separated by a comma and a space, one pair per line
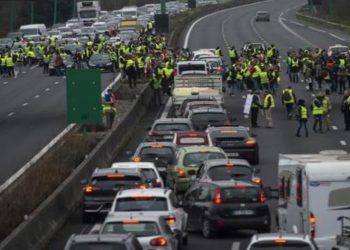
302, 124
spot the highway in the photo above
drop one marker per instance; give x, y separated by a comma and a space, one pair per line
32, 113
235, 27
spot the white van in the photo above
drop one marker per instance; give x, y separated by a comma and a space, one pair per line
129, 12
33, 31
314, 192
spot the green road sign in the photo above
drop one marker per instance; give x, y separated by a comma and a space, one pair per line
84, 96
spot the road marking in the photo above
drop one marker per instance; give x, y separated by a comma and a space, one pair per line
24, 72
255, 30
223, 31
189, 31
334, 127
47, 89
11, 114
25, 104
16, 74
167, 108
37, 96
35, 66
6, 83
283, 19
296, 23
316, 29
337, 37
56, 83
343, 143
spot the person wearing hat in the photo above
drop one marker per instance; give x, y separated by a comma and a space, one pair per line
269, 104
302, 116
254, 109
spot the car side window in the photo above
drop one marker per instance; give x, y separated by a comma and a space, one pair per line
200, 171
203, 193
191, 196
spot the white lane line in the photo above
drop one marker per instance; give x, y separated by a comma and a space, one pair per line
343, 143
24, 72
5, 83
25, 104
255, 30
337, 37
334, 127
189, 31
37, 96
283, 19
47, 89
16, 74
235, 245
223, 30
11, 114
296, 23
316, 29
56, 83
35, 66
167, 108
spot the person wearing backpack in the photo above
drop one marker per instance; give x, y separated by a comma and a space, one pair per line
288, 100
317, 112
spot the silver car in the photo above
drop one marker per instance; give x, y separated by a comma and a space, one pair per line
262, 16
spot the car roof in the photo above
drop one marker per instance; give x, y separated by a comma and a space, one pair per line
262, 12
215, 162
149, 144
139, 216
228, 131
106, 171
231, 183
85, 238
193, 149
280, 235
208, 110
172, 120
191, 134
126, 165
158, 192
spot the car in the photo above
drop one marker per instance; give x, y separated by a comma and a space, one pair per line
215, 64
226, 205
147, 168
281, 240
201, 52
191, 138
189, 159
236, 141
102, 62
65, 32
68, 62
180, 112
250, 46
262, 16
162, 154
200, 104
104, 184
6, 43
163, 129
55, 33
338, 49
203, 118
151, 231
227, 169
105, 241
151, 202
88, 31
15, 36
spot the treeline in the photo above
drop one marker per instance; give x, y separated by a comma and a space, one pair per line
14, 13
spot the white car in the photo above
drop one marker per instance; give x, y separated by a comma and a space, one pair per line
147, 168
154, 201
151, 231
338, 49
201, 52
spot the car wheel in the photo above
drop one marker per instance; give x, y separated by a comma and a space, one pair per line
179, 243
207, 229
185, 240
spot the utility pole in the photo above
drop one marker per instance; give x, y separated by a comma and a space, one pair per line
54, 12
74, 7
330, 7
163, 6
11, 17
31, 11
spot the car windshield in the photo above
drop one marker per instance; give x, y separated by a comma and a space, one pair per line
87, 30
30, 32
5, 41
236, 172
196, 159
98, 246
240, 194
113, 181
288, 245
88, 14
101, 58
53, 33
172, 127
139, 229
201, 121
340, 50
141, 203
191, 67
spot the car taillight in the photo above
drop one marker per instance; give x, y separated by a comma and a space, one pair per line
257, 180
217, 196
159, 242
171, 220
312, 221
156, 184
180, 173
250, 142
153, 134
262, 197
90, 189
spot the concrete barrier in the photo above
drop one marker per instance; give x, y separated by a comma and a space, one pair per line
44, 222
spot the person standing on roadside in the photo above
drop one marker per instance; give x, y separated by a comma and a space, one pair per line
317, 112
327, 108
302, 116
345, 108
269, 104
288, 100
254, 109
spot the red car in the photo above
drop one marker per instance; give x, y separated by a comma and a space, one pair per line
191, 138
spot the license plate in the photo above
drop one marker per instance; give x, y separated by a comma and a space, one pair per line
243, 212
161, 169
168, 137
233, 154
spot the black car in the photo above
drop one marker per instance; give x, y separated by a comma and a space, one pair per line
104, 184
202, 118
225, 205
102, 62
237, 142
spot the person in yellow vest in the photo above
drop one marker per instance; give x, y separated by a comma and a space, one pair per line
317, 112
264, 79
288, 100
232, 54
131, 71
109, 112
269, 104
302, 116
3, 65
168, 78
140, 66
46, 62
156, 85
10, 65
218, 51
327, 108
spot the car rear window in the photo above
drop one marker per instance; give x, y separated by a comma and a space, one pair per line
191, 67
141, 204
172, 127
115, 181
98, 246
192, 141
197, 158
140, 229
288, 245
149, 173
202, 120
236, 172
240, 194
158, 152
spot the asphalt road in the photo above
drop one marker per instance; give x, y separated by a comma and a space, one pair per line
235, 27
32, 113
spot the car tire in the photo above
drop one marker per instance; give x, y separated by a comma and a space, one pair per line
185, 240
207, 229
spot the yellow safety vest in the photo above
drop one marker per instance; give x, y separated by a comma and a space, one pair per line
290, 92
266, 101
303, 113
317, 110
264, 79
168, 72
157, 83
232, 53
9, 61
140, 62
257, 71
108, 109
130, 63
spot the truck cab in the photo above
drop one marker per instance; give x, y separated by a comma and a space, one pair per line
88, 12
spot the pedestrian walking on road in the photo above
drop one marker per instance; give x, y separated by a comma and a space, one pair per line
156, 85
109, 112
302, 116
288, 100
269, 104
317, 112
327, 108
346, 109
254, 109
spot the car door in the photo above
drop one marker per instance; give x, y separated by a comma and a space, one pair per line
180, 214
201, 206
188, 205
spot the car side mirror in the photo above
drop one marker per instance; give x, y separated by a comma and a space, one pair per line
84, 182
